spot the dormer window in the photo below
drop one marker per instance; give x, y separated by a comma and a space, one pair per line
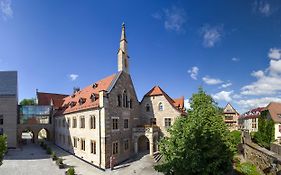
95, 85
72, 104
94, 97
81, 101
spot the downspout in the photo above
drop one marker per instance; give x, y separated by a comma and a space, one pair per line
100, 136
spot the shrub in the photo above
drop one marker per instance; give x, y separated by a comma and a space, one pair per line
59, 161
45, 146
49, 150
247, 168
54, 156
41, 144
3, 147
235, 139
70, 171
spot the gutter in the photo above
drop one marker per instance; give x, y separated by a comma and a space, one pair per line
100, 137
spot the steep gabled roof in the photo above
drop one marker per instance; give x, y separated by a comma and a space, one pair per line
178, 104
274, 108
253, 113
50, 98
83, 99
231, 107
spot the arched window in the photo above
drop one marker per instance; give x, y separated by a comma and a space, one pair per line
147, 108
119, 100
125, 99
161, 106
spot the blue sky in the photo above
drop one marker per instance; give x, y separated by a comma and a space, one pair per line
231, 48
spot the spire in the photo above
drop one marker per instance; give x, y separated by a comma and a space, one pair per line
123, 34
123, 58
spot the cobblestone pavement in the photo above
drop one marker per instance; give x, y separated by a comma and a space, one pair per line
32, 160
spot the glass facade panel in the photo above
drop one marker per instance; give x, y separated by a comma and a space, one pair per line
35, 114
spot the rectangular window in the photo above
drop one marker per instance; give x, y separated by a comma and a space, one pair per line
126, 123
228, 117
82, 122
93, 122
93, 147
168, 122
126, 144
74, 122
1, 120
1, 131
114, 124
115, 148
74, 142
83, 144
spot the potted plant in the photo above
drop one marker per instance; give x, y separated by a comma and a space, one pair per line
59, 162
49, 151
70, 171
54, 156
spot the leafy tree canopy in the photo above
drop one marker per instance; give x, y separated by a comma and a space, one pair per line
3, 147
199, 143
25, 102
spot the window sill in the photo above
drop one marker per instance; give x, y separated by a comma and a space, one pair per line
115, 130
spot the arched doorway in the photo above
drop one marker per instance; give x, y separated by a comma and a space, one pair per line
43, 134
143, 144
27, 136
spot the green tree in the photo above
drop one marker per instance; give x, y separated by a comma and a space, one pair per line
199, 143
3, 147
265, 134
28, 102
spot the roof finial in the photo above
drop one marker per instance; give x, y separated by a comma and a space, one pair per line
123, 34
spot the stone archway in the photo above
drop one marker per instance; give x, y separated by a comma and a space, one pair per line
143, 144
27, 136
43, 134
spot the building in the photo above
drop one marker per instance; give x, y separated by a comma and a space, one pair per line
230, 117
105, 119
249, 120
273, 111
9, 106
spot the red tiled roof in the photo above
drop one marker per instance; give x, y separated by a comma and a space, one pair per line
85, 94
274, 109
178, 104
47, 98
254, 113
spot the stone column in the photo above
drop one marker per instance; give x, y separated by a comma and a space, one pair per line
151, 147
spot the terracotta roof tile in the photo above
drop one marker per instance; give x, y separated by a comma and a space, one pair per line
48, 98
86, 94
274, 109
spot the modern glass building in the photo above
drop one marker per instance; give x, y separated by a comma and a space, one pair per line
35, 114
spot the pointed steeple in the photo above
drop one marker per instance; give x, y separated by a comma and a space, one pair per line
123, 58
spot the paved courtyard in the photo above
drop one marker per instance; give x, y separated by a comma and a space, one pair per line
32, 159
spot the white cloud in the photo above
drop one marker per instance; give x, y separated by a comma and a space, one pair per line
235, 59
211, 81
257, 102
6, 10
193, 72
73, 77
263, 7
225, 85
274, 54
186, 104
269, 81
211, 35
223, 95
174, 18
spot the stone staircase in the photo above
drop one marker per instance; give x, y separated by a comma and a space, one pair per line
157, 156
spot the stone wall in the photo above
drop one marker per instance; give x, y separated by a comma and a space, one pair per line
267, 161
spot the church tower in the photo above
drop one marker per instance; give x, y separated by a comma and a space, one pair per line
123, 58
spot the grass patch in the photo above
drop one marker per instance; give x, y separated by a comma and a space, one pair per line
247, 168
